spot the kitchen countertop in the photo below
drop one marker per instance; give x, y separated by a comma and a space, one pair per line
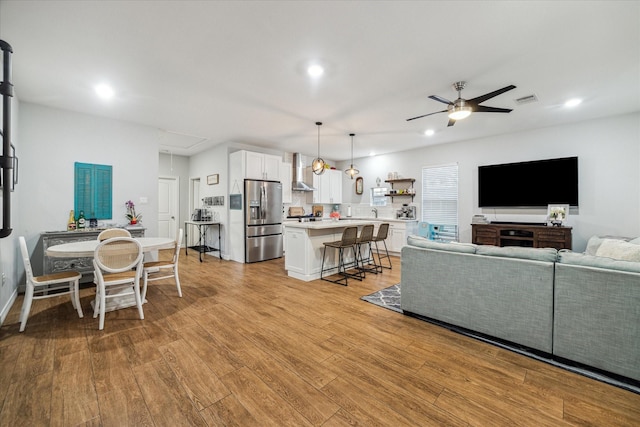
327, 224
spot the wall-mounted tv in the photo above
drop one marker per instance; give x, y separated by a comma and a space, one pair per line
529, 184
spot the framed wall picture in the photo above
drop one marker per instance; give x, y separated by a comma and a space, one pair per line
213, 179
557, 214
359, 185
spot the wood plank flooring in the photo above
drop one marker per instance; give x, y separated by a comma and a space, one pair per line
248, 346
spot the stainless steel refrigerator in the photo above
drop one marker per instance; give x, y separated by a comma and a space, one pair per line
262, 220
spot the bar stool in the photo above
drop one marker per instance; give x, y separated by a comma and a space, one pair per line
349, 239
365, 238
383, 232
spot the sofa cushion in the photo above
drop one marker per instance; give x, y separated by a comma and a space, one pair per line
575, 258
595, 241
537, 254
619, 249
423, 242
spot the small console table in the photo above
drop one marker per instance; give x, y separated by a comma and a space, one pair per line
202, 247
517, 234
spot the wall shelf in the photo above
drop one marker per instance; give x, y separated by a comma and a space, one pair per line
405, 185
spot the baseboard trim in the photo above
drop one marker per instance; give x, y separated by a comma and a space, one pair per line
5, 310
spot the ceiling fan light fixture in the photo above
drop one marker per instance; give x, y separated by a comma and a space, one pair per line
459, 113
317, 166
352, 172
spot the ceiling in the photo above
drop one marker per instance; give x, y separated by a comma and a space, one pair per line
211, 72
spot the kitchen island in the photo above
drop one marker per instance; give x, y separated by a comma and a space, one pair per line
304, 245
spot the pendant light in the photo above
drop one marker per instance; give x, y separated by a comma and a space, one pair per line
352, 171
317, 166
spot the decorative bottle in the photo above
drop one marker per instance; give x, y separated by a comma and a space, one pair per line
71, 223
81, 221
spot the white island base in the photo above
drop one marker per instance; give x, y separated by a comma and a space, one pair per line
304, 246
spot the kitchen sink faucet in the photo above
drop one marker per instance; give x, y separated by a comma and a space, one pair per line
375, 212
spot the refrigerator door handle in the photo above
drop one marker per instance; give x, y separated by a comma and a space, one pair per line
263, 202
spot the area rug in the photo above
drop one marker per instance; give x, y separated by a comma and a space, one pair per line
387, 298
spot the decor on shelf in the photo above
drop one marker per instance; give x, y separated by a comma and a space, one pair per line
556, 214
352, 171
213, 179
131, 214
359, 185
318, 164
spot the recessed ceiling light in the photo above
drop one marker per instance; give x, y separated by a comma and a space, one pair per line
104, 91
573, 102
315, 70
429, 132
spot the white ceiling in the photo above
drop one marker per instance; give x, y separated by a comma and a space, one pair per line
210, 72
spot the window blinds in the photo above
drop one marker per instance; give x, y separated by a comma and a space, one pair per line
440, 196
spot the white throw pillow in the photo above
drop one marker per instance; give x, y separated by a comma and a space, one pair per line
619, 249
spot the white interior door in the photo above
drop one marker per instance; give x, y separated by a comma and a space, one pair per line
168, 207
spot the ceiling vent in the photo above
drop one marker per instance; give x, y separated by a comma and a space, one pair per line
527, 99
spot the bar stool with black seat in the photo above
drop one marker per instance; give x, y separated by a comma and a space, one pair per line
349, 240
381, 236
364, 240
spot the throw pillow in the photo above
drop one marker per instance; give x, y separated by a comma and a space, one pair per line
619, 249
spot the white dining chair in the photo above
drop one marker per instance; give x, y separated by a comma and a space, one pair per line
113, 232
156, 270
47, 286
117, 266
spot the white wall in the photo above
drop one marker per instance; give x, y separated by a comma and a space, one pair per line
51, 140
609, 179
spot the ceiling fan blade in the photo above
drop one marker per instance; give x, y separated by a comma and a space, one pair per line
483, 109
425, 115
451, 122
441, 99
490, 95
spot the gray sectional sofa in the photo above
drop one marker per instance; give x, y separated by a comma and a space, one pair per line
583, 307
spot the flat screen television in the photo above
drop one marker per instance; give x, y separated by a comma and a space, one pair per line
529, 184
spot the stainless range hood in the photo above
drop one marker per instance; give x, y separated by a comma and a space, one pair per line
298, 175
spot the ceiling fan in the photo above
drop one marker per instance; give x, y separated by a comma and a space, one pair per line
462, 108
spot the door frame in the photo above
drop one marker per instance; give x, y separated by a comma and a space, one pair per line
176, 201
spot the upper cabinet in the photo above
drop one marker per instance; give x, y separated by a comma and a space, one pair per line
328, 187
259, 165
285, 178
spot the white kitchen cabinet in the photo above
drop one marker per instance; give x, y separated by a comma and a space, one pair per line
286, 178
328, 187
398, 233
259, 165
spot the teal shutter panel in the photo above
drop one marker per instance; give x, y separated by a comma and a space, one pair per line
103, 199
93, 190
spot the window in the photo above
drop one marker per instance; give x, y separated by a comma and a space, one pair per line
378, 196
92, 190
440, 201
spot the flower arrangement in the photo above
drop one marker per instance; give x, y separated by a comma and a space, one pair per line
131, 214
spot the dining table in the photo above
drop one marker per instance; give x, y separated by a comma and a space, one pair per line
87, 249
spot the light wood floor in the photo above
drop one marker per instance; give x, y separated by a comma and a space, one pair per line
248, 346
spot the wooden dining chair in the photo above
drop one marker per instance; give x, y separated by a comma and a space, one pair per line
117, 266
47, 286
113, 232
157, 270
